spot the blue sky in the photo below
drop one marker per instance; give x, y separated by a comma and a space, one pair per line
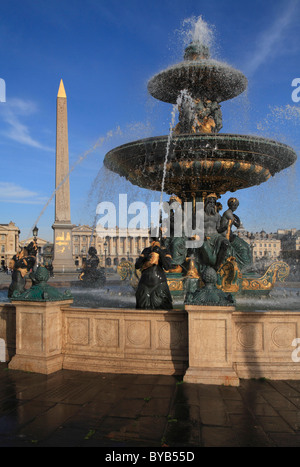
105, 52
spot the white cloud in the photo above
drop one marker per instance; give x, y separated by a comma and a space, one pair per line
269, 42
13, 193
12, 113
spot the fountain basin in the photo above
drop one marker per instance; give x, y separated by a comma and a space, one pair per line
223, 162
205, 77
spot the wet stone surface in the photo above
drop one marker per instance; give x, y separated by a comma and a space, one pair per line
70, 408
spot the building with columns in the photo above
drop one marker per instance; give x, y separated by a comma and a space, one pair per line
112, 245
9, 242
263, 245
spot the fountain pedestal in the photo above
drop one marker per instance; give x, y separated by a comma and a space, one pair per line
210, 345
39, 336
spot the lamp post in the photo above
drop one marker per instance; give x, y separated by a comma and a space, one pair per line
105, 251
35, 232
82, 253
252, 240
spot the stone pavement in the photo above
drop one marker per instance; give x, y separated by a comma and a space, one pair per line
81, 409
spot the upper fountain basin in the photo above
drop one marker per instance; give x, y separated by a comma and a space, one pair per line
207, 78
200, 163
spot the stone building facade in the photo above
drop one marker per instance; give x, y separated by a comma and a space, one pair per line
112, 246
266, 245
9, 242
263, 245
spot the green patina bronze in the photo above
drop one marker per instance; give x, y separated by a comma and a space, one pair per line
41, 291
209, 294
196, 162
92, 275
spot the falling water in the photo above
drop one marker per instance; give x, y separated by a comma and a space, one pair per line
185, 101
173, 115
81, 158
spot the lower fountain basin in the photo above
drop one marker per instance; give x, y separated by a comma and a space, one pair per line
200, 162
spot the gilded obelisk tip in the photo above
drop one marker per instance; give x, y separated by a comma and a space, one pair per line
61, 90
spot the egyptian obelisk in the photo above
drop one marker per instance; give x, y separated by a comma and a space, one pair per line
62, 260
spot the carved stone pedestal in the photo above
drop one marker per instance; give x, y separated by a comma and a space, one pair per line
210, 345
38, 336
63, 259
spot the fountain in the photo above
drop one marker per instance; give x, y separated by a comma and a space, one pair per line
199, 164
209, 340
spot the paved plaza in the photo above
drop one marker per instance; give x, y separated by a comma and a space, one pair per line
80, 409
84, 409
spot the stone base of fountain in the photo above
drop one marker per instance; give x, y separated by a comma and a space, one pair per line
208, 345
38, 336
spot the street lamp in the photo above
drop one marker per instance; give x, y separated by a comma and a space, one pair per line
252, 240
105, 251
35, 232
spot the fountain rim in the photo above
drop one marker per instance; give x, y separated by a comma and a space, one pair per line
198, 65
207, 136
267, 156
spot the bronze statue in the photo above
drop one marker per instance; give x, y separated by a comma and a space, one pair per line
153, 291
22, 264
229, 219
207, 116
176, 246
92, 275
198, 116
220, 242
237, 247
213, 251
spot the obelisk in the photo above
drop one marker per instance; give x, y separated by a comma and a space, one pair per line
62, 260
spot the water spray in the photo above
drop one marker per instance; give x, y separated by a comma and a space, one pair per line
81, 158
